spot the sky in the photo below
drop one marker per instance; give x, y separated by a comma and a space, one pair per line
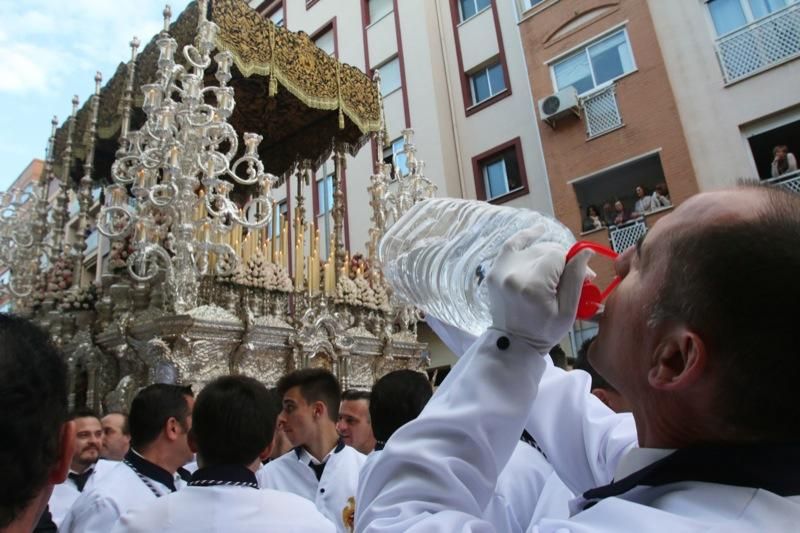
50, 51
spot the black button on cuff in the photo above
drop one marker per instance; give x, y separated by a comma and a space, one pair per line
322, 491
503, 343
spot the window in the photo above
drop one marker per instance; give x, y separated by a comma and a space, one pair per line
325, 207
395, 155
487, 82
390, 76
730, 15
528, 4
283, 209
470, 8
326, 42
597, 64
379, 9
277, 17
501, 174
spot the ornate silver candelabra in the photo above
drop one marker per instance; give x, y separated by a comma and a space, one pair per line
181, 167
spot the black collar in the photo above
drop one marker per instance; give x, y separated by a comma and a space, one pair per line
771, 467
230, 475
150, 470
339, 447
379, 445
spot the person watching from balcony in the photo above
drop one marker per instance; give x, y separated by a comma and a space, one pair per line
592, 220
644, 202
661, 196
608, 214
621, 215
783, 161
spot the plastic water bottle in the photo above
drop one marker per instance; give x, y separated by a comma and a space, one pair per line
438, 253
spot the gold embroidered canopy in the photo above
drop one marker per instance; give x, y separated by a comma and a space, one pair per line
300, 99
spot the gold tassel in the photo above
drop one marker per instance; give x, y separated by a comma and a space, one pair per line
341, 117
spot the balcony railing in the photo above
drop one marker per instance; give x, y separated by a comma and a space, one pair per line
790, 181
761, 44
601, 112
625, 235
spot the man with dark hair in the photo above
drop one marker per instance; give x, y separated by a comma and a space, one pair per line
600, 387
232, 425
354, 425
321, 468
116, 436
397, 398
698, 336
85, 467
160, 420
38, 441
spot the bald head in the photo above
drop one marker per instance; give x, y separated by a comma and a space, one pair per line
731, 276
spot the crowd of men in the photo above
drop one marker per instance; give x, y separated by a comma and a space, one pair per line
680, 416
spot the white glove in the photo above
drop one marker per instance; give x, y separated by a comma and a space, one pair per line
532, 294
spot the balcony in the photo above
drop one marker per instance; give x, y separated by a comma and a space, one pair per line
601, 112
762, 44
625, 235
790, 181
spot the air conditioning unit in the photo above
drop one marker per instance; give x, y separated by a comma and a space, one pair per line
559, 104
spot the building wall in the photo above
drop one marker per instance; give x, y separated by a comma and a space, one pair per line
716, 117
644, 96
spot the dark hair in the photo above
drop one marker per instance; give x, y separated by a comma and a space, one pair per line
735, 284
83, 412
589, 209
233, 420
126, 427
397, 398
582, 363
316, 385
558, 356
152, 407
355, 394
33, 409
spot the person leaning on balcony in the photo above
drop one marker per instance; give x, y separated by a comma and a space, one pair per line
644, 202
592, 220
783, 161
608, 214
661, 196
621, 215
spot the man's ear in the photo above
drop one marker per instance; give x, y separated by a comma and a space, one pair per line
602, 395
66, 449
172, 428
679, 360
318, 409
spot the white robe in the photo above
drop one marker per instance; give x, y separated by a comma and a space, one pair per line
65, 494
225, 509
438, 473
119, 491
339, 480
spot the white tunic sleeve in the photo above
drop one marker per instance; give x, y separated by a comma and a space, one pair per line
438, 473
94, 515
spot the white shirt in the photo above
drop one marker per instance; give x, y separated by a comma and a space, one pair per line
291, 473
119, 491
65, 494
438, 472
226, 509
